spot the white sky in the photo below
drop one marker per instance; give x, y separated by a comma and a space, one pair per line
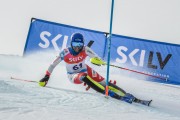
157, 20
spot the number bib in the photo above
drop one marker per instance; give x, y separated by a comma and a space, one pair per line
75, 64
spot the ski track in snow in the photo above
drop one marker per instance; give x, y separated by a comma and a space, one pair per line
26, 101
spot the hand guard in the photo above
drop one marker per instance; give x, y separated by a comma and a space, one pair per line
44, 81
97, 61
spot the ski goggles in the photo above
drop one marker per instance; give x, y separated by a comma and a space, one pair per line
77, 44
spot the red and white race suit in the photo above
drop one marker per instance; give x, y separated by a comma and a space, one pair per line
75, 65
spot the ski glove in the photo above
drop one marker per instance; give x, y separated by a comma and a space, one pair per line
44, 81
97, 61
88, 87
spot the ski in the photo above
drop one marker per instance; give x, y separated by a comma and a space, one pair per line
144, 102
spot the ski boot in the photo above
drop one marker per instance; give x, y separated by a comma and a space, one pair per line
129, 98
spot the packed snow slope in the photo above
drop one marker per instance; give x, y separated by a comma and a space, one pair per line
62, 100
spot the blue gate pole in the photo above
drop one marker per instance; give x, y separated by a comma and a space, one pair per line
109, 47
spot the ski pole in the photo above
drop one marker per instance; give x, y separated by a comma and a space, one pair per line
23, 80
163, 78
99, 62
19, 79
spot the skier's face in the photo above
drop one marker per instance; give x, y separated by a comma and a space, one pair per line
77, 49
77, 46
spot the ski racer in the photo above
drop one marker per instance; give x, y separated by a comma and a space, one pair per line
78, 72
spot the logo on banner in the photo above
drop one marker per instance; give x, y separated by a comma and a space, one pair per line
46, 41
122, 52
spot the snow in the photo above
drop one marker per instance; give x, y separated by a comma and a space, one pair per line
62, 100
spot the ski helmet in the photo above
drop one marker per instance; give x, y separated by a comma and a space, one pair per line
77, 40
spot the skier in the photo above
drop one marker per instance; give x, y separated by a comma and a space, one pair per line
78, 72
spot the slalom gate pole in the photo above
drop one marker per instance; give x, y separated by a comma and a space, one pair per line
162, 78
109, 47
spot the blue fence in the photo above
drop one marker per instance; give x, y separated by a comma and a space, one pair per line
161, 60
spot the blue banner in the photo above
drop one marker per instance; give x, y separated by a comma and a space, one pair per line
45, 35
139, 58
156, 60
